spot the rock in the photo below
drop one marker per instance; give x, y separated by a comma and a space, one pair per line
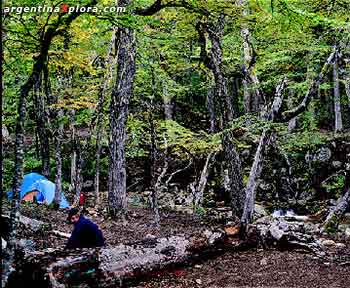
199, 281
3, 244
328, 242
332, 202
150, 236
263, 261
311, 228
276, 232
347, 232
323, 154
337, 164
259, 211
146, 193
88, 184
222, 204
265, 186
264, 220
340, 245
5, 134
277, 213
27, 245
342, 227
223, 209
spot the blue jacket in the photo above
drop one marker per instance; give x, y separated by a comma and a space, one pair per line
86, 234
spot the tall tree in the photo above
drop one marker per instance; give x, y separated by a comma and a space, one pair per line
337, 104
213, 61
253, 98
100, 114
121, 93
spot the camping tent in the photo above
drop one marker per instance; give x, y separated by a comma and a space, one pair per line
46, 189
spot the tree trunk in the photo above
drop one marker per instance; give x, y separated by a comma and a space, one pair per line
214, 62
274, 111
120, 97
211, 109
254, 176
339, 210
113, 266
215, 33
347, 90
235, 179
78, 181
100, 115
312, 91
58, 159
73, 160
168, 103
155, 187
337, 102
198, 188
42, 126
292, 124
253, 99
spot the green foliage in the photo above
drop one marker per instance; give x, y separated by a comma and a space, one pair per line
335, 185
179, 137
200, 211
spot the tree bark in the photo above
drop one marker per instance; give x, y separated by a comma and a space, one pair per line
73, 160
155, 183
339, 210
274, 110
112, 267
312, 91
253, 98
347, 90
198, 187
235, 179
78, 181
211, 109
292, 123
58, 159
120, 97
100, 115
215, 32
337, 104
254, 176
213, 62
42, 127
168, 103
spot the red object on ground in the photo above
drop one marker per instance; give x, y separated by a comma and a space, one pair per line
82, 199
180, 273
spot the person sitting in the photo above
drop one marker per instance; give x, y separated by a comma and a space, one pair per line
86, 234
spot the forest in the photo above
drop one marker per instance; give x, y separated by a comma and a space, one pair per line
209, 140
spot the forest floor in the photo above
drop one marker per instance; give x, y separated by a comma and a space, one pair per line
268, 268
251, 268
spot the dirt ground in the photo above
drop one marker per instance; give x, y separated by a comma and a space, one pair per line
253, 268
136, 226
269, 268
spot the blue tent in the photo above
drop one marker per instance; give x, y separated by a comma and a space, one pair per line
45, 188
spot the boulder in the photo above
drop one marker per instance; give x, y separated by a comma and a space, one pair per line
3, 244
347, 232
259, 211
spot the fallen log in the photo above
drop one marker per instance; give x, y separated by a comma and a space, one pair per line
110, 267
29, 223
